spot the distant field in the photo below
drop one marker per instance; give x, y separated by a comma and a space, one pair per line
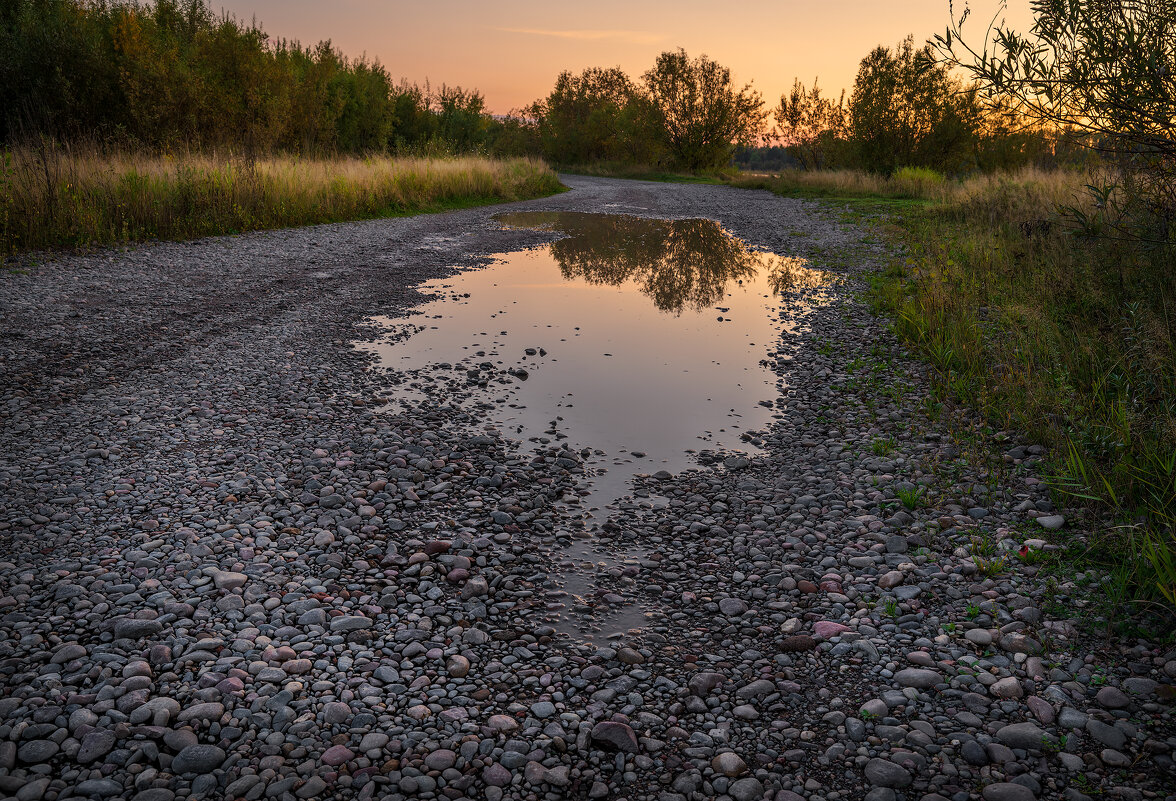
56, 196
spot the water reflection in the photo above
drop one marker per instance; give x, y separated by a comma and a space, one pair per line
644, 345
679, 264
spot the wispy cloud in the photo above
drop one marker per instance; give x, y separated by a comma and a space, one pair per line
630, 37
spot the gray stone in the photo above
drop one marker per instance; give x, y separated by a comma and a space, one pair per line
198, 758
1023, 735
756, 689
1113, 698
441, 759
102, 788
980, 637
1007, 791
748, 789
613, 736
1107, 735
732, 607
226, 580
35, 752
728, 764
918, 678
883, 773
95, 745
974, 753
347, 623
134, 629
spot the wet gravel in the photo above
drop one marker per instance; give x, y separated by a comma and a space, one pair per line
227, 571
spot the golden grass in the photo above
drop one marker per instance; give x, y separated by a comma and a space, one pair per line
1029, 190
52, 195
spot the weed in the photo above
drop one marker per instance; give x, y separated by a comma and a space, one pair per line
1054, 745
981, 545
883, 447
990, 567
972, 611
912, 498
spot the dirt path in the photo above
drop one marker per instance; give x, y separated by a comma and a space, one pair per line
224, 572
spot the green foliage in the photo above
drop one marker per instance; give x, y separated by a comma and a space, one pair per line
596, 116
907, 111
1105, 72
911, 498
698, 112
814, 126
173, 74
685, 115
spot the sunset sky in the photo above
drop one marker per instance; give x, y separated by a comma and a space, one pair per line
512, 50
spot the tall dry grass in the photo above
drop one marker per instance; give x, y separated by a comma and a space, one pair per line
1029, 190
59, 195
1069, 339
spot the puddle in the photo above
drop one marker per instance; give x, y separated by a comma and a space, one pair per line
642, 343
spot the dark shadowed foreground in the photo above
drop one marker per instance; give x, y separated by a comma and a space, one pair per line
230, 570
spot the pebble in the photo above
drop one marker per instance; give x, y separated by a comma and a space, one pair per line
1007, 791
881, 773
918, 678
198, 759
614, 736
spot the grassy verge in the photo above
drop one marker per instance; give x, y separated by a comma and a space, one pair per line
645, 172
54, 196
1069, 340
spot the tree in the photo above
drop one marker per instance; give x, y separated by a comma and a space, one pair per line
594, 116
461, 118
699, 114
1105, 69
907, 110
812, 125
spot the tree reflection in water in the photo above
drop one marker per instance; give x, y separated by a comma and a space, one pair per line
679, 264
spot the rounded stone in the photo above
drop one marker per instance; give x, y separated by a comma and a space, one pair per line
198, 758
729, 764
1008, 791
882, 773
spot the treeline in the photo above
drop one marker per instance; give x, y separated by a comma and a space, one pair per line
173, 72
907, 109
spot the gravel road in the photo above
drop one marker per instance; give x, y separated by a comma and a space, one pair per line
226, 572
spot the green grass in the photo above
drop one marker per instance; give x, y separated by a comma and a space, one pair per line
912, 498
1070, 341
640, 172
60, 196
